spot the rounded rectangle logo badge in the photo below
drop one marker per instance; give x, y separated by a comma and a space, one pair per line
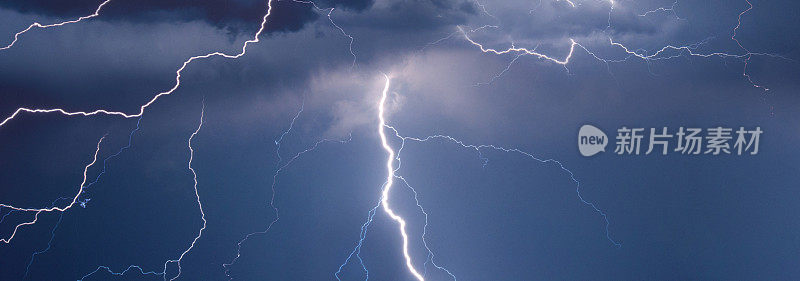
591, 140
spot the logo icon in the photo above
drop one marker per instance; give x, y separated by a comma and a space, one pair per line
591, 140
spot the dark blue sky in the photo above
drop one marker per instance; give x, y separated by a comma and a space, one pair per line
491, 215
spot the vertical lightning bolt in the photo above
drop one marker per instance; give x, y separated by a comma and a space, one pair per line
280, 167
431, 256
197, 196
49, 245
346, 35
748, 54
291, 125
199, 204
357, 249
391, 171
41, 26
390, 180
49, 242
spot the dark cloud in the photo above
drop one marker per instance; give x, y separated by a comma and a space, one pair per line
415, 15
236, 15
212, 11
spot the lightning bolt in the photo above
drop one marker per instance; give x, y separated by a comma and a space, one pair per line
670, 9
392, 175
104, 111
477, 148
357, 249
664, 53
52, 208
483, 9
280, 167
390, 181
498, 75
291, 125
525, 51
748, 54
177, 72
159, 95
81, 191
200, 207
350, 46
105, 162
384, 202
431, 256
132, 267
197, 196
49, 243
41, 26
139, 114
341, 30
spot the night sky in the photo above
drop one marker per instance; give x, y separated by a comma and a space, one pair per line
290, 166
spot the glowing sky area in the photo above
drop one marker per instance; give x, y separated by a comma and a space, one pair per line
394, 140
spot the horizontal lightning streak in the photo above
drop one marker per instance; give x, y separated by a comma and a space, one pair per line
132, 267
159, 95
41, 26
665, 53
670, 9
53, 208
514, 49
